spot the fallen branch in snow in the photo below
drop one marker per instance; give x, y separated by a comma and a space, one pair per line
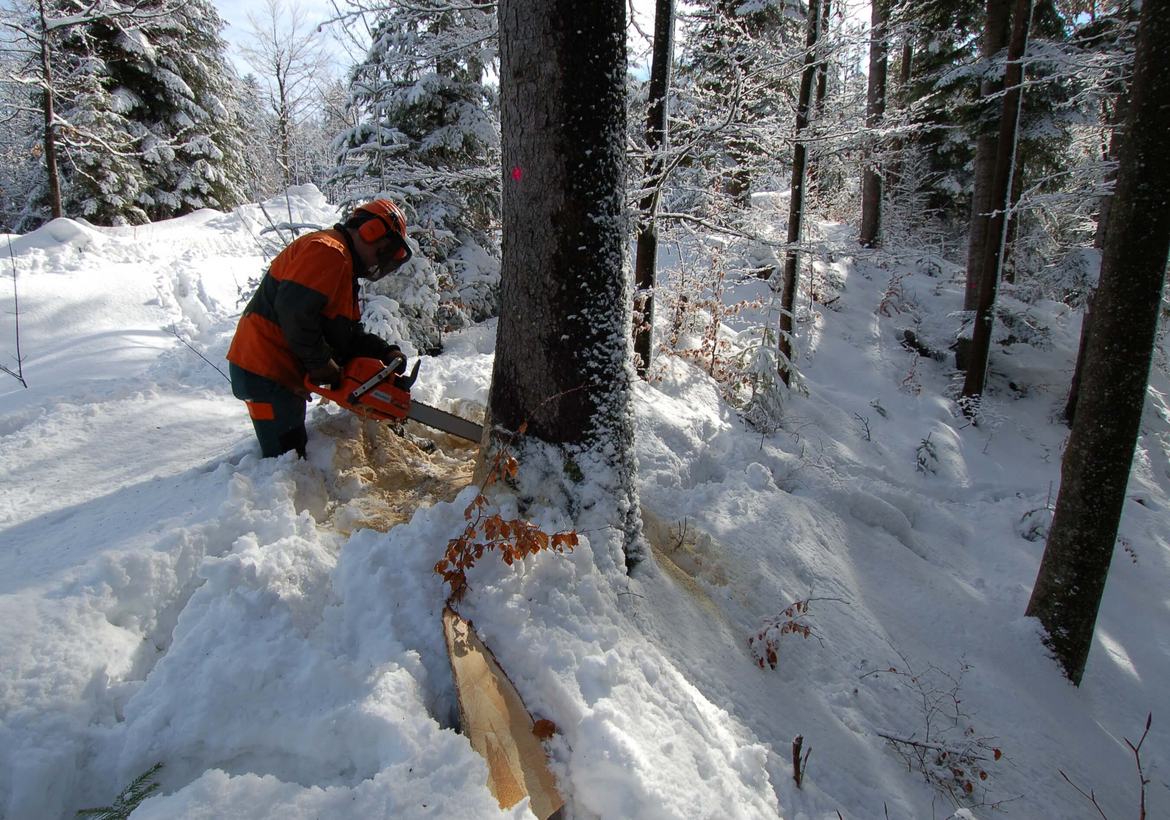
937, 747
765, 644
175, 331
865, 424
1145, 781
957, 763
17, 374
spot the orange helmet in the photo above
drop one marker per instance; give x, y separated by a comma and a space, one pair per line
388, 223
388, 218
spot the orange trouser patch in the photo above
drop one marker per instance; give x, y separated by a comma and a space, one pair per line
260, 410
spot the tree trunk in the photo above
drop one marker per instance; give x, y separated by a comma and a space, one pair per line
1120, 112
823, 65
1000, 201
1096, 466
656, 140
993, 41
50, 137
907, 65
813, 181
1013, 228
875, 109
283, 117
564, 338
796, 200
894, 174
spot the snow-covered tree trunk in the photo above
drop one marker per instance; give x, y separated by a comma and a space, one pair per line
656, 136
1097, 462
1000, 202
564, 340
796, 200
50, 138
992, 41
871, 179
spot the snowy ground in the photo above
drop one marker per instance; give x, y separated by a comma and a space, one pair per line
262, 628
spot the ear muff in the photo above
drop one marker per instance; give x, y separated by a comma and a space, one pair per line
374, 229
386, 223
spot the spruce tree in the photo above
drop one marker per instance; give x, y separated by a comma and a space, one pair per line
171, 76
1097, 463
738, 91
140, 110
427, 135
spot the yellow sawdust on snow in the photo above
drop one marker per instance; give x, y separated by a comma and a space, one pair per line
384, 477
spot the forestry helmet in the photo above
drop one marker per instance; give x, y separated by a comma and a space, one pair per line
384, 224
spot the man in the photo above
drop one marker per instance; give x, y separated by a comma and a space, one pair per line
305, 319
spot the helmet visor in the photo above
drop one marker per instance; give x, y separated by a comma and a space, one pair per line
391, 254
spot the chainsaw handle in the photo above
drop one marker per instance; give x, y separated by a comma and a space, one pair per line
392, 361
407, 382
400, 378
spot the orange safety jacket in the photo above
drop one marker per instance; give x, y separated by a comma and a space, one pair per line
305, 312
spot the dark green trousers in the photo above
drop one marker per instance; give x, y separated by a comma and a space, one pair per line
278, 414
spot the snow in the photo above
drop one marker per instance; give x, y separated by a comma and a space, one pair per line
260, 627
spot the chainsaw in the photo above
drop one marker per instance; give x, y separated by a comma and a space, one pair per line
376, 390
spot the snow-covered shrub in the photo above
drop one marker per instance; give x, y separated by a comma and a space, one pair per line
427, 137
405, 306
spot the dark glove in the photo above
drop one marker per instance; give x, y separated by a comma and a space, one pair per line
396, 357
326, 375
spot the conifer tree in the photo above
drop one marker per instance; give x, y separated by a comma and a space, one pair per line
796, 201
871, 179
732, 74
136, 102
258, 133
645, 269
1096, 465
564, 349
428, 129
173, 79
427, 134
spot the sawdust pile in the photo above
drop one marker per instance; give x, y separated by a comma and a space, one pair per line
685, 554
381, 477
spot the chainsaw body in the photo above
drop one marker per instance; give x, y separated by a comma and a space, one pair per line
370, 388
374, 390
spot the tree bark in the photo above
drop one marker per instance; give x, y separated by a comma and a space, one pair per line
906, 68
875, 109
823, 65
1000, 200
796, 200
1096, 466
812, 172
564, 338
1120, 112
993, 41
645, 274
50, 137
894, 174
